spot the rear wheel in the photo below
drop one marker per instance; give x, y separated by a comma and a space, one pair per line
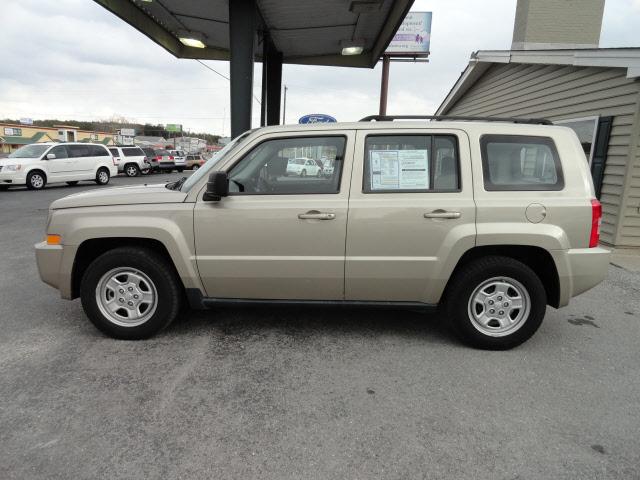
495, 303
303, 173
36, 180
4, 187
131, 170
74, 182
195, 167
102, 176
130, 293
180, 170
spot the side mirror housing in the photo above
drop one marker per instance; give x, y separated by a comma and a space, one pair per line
51, 156
217, 187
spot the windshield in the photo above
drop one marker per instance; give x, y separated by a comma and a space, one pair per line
29, 151
207, 167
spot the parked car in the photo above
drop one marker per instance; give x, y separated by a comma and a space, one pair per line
37, 164
304, 167
166, 162
131, 161
194, 162
179, 157
150, 153
490, 221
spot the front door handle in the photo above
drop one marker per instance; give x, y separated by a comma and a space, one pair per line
442, 214
316, 215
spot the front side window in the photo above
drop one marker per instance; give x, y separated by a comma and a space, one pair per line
59, 151
411, 163
518, 162
288, 166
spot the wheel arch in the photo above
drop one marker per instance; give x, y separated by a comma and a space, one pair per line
536, 258
91, 249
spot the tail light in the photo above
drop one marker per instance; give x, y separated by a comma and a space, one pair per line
596, 220
113, 159
158, 157
170, 157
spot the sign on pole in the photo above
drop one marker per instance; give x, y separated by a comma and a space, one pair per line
413, 37
173, 127
26, 121
127, 132
316, 118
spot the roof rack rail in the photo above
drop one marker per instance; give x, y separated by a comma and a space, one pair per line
390, 118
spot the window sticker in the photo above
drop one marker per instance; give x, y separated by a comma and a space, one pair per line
399, 169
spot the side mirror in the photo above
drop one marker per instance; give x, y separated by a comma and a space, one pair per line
217, 187
51, 156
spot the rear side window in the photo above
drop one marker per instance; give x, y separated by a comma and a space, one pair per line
76, 151
114, 152
518, 162
411, 163
132, 152
98, 151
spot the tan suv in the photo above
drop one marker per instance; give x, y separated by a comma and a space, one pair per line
491, 220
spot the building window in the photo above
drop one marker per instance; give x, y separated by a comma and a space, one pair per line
586, 129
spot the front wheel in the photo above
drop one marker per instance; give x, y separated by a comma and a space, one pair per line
36, 180
180, 170
303, 173
102, 177
130, 293
495, 303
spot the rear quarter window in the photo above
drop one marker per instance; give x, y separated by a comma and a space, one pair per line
132, 152
520, 163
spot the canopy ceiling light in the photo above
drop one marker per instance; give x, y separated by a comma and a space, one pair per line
352, 47
191, 39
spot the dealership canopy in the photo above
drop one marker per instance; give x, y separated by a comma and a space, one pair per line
332, 32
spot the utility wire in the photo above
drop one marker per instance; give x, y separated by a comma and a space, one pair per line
223, 76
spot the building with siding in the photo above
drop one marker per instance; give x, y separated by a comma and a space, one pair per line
14, 136
594, 91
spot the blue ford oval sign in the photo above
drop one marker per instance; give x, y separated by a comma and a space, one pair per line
317, 118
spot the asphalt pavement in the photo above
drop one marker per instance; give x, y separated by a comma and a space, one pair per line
287, 393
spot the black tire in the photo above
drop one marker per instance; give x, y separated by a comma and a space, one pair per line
36, 180
195, 167
145, 171
471, 276
4, 188
102, 176
180, 170
156, 268
303, 173
72, 183
131, 170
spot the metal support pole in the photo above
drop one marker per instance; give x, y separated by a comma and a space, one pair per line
263, 97
274, 86
242, 26
384, 85
284, 106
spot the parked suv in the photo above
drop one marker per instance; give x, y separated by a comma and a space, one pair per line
194, 161
132, 161
151, 158
166, 162
490, 221
179, 158
37, 164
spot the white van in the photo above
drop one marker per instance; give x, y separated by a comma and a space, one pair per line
37, 164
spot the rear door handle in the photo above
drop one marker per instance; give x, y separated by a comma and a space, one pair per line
442, 214
316, 215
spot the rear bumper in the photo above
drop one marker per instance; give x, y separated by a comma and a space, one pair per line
166, 166
580, 269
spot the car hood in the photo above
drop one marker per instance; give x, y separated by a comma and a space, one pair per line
131, 195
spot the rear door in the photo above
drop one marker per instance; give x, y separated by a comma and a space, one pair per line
411, 213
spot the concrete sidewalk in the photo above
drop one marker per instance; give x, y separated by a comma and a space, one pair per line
627, 258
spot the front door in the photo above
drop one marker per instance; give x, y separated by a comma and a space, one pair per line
61, 166
277, 236
411, 213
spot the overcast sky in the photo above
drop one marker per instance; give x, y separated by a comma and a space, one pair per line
72, 59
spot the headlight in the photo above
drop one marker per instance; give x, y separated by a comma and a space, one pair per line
12, 168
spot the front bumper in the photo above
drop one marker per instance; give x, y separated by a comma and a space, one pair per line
13, 178
53, 267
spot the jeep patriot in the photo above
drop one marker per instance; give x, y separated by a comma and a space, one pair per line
489, 220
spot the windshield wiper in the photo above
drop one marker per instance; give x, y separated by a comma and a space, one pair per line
177, 184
